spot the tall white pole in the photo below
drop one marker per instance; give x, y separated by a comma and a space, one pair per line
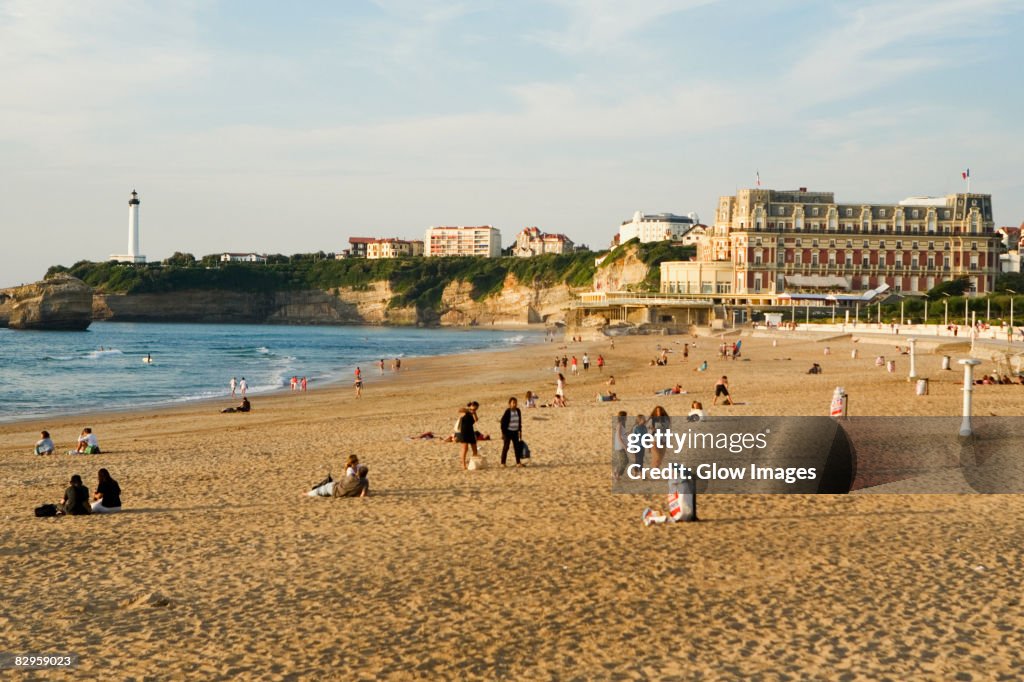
969, 364
913, 367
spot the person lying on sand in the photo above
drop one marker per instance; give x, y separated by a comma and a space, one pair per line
355, 485
244, 406
610, 398
675, 390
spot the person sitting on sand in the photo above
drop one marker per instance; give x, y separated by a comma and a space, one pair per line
76, 499
530, 399
87, 443
611, 380
44, 446
702, 367
355, 485
351, 465
815, 369
243, 407
696, 413
107, 498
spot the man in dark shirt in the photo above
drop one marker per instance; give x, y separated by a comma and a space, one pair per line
76, 498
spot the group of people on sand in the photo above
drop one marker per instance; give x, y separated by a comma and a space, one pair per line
105, 500
658, 420
87, 444
298, 384
356, 482
466, 433
996, 380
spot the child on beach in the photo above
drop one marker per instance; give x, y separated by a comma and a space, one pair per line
44, 446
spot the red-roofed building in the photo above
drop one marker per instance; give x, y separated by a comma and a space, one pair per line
532, 242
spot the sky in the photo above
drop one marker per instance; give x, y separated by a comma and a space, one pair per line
290, 127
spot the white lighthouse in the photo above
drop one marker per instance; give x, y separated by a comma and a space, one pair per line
133, 255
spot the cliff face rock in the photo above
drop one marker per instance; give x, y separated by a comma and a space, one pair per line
618, 275
515, 303
59, 303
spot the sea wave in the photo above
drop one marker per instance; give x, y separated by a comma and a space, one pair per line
97, 354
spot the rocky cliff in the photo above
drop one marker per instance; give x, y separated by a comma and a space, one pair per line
514, 303
59, 303
621, 273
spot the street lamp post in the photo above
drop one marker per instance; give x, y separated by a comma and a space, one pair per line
945, 315
926, 309
901, 311
1012, 292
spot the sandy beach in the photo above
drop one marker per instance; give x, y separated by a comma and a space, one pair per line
219, 568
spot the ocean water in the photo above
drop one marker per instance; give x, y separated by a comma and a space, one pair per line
48, 373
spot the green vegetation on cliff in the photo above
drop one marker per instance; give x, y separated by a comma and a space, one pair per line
651, 254
416, 281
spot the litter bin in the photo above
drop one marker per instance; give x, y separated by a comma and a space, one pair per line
945, 362
891, 366
922, 387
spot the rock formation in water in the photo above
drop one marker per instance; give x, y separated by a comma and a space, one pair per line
61, 302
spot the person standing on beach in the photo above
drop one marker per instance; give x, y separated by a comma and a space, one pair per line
359, 386
686, 351
380, 366
233, 384
586, 362
619, 459
304, 384
722, 389
659, 422
243, 386
512, 431
600, 363
294, 383
639, 431
560, 391
575, 367
359, 373
465, 435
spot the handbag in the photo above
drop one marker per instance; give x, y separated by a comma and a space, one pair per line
46, 510
524, 450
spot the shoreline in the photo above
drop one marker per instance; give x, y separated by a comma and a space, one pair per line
339, 380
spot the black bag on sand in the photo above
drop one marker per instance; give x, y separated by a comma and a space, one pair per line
524, 450
46, 510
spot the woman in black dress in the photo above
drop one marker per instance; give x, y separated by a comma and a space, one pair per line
465, 433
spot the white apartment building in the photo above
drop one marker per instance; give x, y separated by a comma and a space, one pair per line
462, 241
656, 227
242, 258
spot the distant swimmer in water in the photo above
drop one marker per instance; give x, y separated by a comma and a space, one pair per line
148, 359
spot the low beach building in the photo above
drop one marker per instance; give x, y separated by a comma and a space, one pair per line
242, 258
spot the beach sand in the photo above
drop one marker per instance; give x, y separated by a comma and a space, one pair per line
220, 569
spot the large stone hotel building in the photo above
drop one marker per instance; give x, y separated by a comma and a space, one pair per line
767, 242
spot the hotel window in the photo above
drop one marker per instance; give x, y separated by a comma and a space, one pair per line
849, 260
797, 259
757, 259
913, 245
945, 262
945, 214
899, 244
797, 242
814, 210
782, 210
974, 261
931, 246
866, 245
913, 214
832, 243
865, 262
974, 246
814, 259
814, 243
849, 243
913, 262
831, 259
881, 213
881, 244
931, 262
849, 213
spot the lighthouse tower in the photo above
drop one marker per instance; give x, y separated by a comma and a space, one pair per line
133, 255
